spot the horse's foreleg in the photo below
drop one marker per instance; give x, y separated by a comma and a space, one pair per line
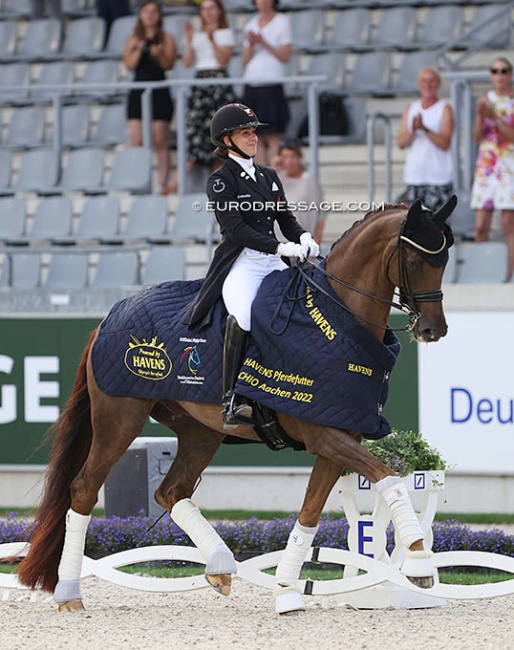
196, 448
288, 599
343, 448
418, 565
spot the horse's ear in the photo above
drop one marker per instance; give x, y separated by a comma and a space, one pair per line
445, 211
415, 211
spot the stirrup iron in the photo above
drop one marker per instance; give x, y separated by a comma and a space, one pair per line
235, 413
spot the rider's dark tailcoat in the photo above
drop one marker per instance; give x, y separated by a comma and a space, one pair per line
246, 211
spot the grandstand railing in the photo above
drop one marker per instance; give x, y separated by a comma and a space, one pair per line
372, 119
180, 87
454, 64
463, 147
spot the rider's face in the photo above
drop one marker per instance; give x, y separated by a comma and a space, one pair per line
246, 140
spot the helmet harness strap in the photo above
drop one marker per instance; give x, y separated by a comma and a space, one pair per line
235, 148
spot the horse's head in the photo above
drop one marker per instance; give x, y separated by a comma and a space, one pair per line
394, 247
422, 253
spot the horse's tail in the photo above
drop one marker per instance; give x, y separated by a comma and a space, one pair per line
72, 435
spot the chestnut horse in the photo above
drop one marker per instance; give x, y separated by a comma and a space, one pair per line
394, 247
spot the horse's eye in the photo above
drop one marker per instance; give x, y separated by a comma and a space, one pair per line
413, 263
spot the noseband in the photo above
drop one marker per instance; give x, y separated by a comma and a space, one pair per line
407, 299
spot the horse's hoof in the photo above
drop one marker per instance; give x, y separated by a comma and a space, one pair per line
288, 601
423, 583
296, 612
72, 606
220, 583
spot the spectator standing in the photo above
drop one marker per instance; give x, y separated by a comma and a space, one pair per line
210, 49
493, 186
266, 50
426, 131
109, 10
53, 7
150, 52
301, 188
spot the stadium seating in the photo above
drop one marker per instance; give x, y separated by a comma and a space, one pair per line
366, 49
99, 220
12, 221
67, 271
147, 220
38, 171
26, 128
25, 270
116, 269
484, 263
42, 40
164, 263
52, 220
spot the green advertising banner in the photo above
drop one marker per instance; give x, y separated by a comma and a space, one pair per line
38, 364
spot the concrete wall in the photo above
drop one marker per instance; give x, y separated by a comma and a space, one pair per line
252, 488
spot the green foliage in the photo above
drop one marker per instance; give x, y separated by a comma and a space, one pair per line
406, 452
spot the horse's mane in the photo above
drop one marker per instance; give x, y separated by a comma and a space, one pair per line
367, 218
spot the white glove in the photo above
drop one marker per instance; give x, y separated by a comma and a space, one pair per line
309, 245
289, 249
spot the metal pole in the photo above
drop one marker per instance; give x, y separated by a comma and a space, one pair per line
467, 119
455, 102
57, 134
180, 105
313, 120
146, 114
388, 161
370, 138
370, 121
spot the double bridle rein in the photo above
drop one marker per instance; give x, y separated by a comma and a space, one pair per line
407, 299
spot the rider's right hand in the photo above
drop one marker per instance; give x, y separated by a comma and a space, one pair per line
290, 249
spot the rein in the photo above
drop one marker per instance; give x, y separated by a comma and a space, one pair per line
405, 293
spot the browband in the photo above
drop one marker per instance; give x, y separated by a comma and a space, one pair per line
424, 250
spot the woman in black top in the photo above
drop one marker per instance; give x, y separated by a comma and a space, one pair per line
150, 52
247, 200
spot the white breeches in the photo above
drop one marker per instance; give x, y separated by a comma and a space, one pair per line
243, 282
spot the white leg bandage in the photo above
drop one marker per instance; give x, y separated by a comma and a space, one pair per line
70, 566
215, 552
404, 518
298, 545
74, 542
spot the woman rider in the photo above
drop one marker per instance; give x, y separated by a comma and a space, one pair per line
247, 200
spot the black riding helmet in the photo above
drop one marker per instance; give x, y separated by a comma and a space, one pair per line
230, 118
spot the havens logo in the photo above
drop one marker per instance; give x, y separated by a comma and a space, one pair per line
147, 359
355, 367
193, 359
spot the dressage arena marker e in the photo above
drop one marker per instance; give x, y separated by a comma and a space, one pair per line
381, 585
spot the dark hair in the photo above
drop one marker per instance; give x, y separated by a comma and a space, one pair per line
291, 143
220, 152
275, 4
223, 20
139, 29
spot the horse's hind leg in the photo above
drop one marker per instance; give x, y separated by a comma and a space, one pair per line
196, 448
116, 421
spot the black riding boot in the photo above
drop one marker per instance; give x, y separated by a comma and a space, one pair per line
235, 411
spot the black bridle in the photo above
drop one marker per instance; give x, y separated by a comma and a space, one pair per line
407, 299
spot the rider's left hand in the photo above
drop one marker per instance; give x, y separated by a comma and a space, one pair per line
309, 245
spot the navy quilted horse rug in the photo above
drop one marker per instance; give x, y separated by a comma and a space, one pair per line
309, 358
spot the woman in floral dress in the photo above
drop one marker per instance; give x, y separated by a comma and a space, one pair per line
493, 187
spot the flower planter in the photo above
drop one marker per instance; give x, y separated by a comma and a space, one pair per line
368, 518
